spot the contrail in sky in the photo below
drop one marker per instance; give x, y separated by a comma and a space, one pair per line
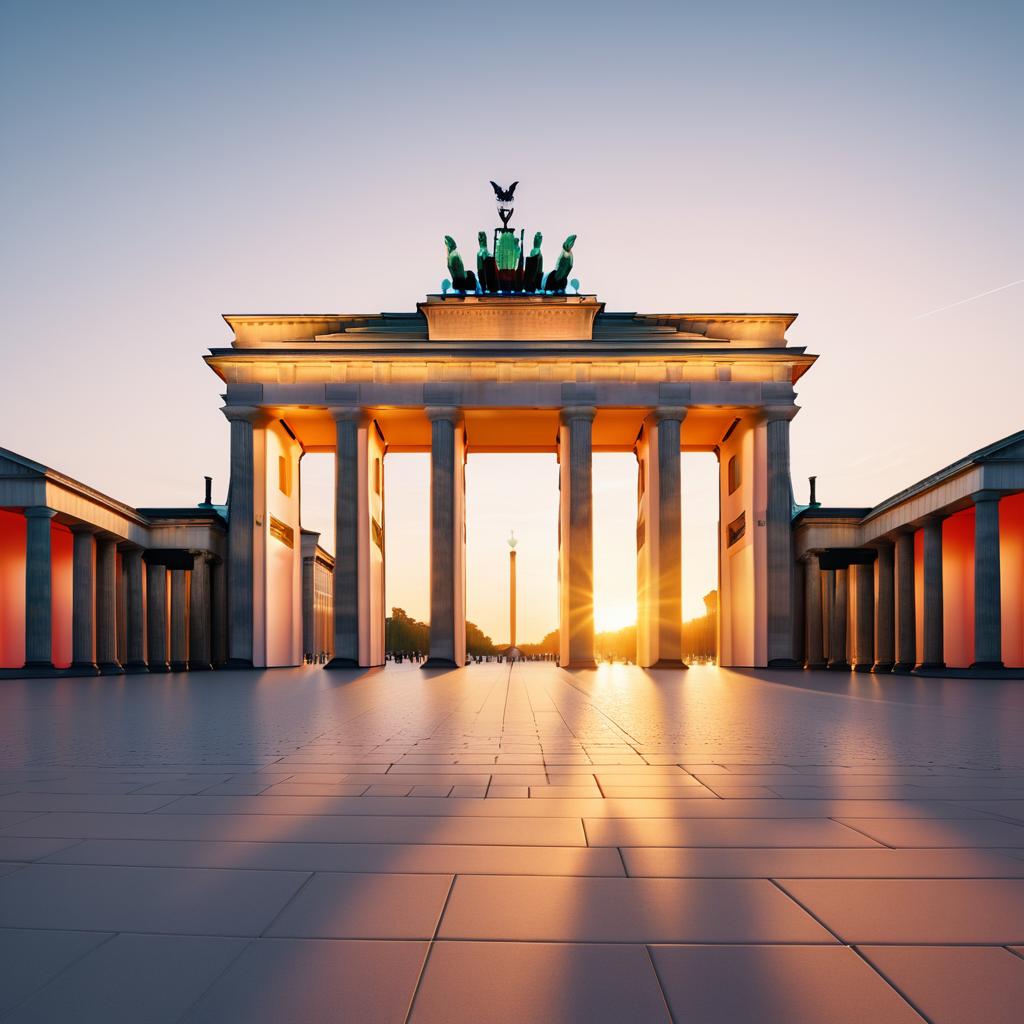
991, 291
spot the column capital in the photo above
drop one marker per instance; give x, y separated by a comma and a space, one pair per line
39, 512
669, 412
199, 553
84, 528
934, 519
986, 495
769, 413
450, 413
129, 547
257, 415
347, 413
577, 412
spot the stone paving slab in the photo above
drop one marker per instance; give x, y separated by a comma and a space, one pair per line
775, 985
915, 911
955, 984
151, 978
296, 981
133, 899
625, 910
501, 982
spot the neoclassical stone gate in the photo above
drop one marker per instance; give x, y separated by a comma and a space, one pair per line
520, 373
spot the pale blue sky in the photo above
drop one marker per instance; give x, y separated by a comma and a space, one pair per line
165, 163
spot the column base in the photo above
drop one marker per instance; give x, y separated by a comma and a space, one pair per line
200, 666
158, 666
838, 666
928, 667
784, 663
31, 670
883, 667
336, 663
580, 664
987, 666
432, 662
674, 663
903, 668
862, 667
238, 663
83, 668
179, 666
111, 668
135, 668
815, 666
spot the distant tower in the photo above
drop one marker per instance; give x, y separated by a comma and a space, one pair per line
513, 651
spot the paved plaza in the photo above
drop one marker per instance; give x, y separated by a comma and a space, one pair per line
512, 844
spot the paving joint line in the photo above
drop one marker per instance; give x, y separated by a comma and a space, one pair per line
430, 949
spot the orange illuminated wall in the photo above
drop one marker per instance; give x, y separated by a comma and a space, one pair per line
61, 581
958, 589
12, 589
1011, 573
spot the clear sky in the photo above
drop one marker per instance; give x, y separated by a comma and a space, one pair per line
165, 163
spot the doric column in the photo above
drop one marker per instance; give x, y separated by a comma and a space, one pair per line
576, 537
885, 609
837, 629
659, 542
179, 620
933, 656
906, 604
83, 600
218, 588
828, 600
445, 526
199, 647
864, 648
779, 538
241, 525
38, 589
156, 617
814, 646
121, 586
988, 634
309, 644
136, 606
106, 605
346, 537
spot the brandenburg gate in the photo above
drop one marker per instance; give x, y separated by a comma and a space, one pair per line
509, 373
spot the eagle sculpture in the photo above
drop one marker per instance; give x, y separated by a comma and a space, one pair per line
504, 195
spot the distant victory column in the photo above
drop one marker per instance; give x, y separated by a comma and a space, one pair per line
513, 651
